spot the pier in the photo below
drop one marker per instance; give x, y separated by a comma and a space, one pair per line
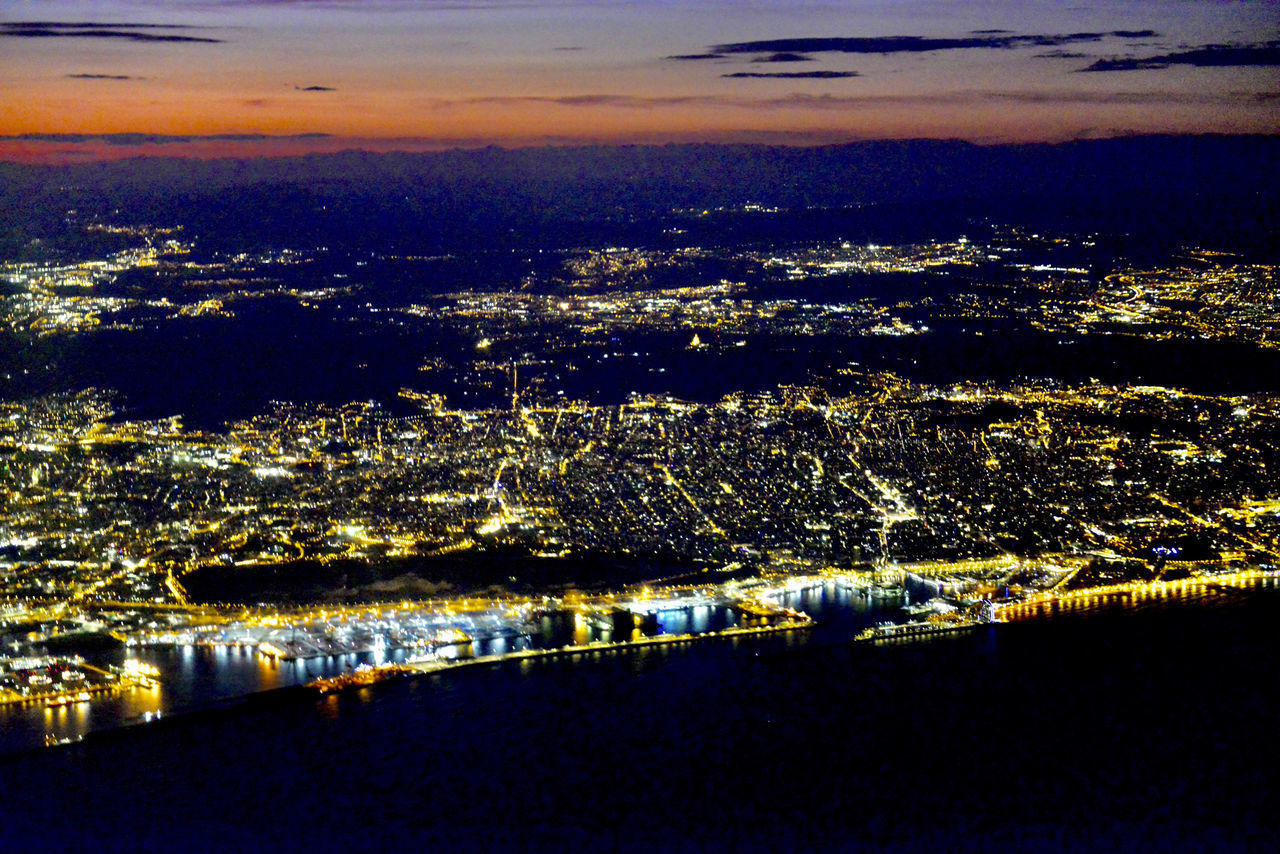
440, 665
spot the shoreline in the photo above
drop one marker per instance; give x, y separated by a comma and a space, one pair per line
442, 665
272, 696
1117, 600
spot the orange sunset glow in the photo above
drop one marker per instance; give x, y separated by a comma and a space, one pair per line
105, 80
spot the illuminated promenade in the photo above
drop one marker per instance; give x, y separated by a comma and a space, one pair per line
1135, 594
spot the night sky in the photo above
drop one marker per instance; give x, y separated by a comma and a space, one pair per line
213, 77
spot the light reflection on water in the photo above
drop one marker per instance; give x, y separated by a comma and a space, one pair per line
195, 677
191, 677
1203, 591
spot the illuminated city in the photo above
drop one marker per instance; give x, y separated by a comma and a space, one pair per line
655, 427
292, 524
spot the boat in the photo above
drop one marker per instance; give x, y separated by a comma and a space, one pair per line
362, 676
67, 699
884, 631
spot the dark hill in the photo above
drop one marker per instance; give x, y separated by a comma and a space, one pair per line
1162, 187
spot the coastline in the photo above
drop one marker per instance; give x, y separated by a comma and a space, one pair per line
504, 754
1118, 600
273, 696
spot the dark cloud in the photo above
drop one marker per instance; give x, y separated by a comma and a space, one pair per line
1122, 64
569, 48
686, 57
1061, 54
1209, 56
916, 44
90, 25
315, 88
784, 57
886, 44
608, 100
796, 75
977, 97
103, 77
93, 30
134, 139
988, 32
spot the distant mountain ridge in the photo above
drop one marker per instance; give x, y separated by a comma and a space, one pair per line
1219, 185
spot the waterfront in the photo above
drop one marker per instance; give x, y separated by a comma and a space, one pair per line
197, 677
207, 676
514, 426
1102, 727
539, 477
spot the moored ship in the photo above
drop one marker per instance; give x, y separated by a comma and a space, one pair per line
887, 631
359, 677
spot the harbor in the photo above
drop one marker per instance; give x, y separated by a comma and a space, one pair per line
53, 681
366, 674
213, 660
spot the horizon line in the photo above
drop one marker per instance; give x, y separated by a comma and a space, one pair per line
32, 149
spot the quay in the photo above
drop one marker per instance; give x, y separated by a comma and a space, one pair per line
86, 683
439, 665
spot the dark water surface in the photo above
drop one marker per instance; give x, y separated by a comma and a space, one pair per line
1110, 730
197, 678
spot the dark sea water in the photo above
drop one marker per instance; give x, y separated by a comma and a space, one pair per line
197, 678
1154, 729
